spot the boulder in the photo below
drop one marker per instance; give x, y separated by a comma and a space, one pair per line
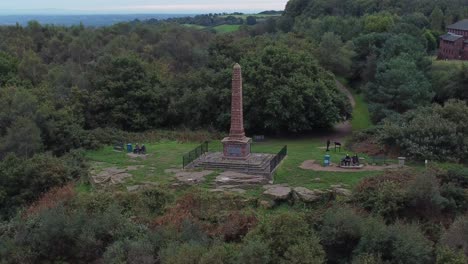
342, 191
278, 193
305, 195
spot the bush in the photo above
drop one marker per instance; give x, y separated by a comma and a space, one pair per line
384, 195
254, 252
456, 237
446, 255
186, 253
22, 181
367, 259
131, 252
340, 233
290, 239
435, 133
219, 253
396, 243
70, 236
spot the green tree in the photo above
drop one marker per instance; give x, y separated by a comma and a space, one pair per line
8, 67
334, 55
126, 96
437, 19
23, 138
285, 90
398, 87
32, 68
251, 20
378, 23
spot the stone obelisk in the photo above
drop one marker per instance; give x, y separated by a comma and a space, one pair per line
237, 145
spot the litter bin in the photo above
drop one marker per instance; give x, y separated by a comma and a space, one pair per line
129, 148
401, 161
326, 161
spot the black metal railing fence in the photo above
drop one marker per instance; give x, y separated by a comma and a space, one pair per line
278, 158
194, 154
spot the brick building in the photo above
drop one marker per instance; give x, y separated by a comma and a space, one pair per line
454, 44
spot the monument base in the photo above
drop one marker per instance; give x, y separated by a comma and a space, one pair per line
255, 164
236, 148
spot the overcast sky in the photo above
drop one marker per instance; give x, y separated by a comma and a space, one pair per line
141, 6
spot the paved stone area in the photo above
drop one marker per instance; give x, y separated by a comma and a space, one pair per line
190, 177
239, 180
112, 175
254, 159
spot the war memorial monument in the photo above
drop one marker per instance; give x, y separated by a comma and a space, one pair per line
237, 155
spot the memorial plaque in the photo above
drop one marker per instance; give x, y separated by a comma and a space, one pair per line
234, 150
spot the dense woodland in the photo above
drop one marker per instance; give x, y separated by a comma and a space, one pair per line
65, 89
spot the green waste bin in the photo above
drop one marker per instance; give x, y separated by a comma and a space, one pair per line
327, 160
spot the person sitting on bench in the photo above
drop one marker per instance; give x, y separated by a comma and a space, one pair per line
143, 149
355, 160
137, 149
347, 160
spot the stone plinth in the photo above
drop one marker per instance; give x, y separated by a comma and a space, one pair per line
236, 148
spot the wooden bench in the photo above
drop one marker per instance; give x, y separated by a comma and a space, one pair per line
259, 138
119, 146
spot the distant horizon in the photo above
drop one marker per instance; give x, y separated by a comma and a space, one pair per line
116, 7
72, 12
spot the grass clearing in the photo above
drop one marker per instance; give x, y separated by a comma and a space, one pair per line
168, 155
199, 27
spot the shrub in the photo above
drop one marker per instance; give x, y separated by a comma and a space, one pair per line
219, 253
131, 252
384, 195
186, 253
290, 239
435, 133
340, 233
456, 237
254, 251
367, 259
424, 195
56, 235
447, 255
22, 181
396, 243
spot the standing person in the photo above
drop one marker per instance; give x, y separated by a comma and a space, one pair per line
328, 144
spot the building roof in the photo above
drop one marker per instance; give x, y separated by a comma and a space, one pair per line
460, 25
451, 37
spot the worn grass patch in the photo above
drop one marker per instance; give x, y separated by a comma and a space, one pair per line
361, 116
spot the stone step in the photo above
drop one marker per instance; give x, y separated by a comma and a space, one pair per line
258, 165
231, 167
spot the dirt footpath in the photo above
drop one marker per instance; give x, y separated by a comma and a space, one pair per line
315, 166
